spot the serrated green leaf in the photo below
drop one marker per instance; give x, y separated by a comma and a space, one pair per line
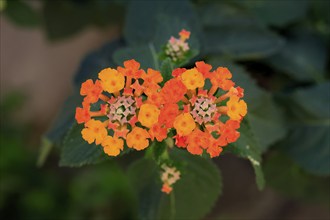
21, 13
194, 194
197, 190
248, 147
144, 177
309, 139
303, 58
77, 152
242, 42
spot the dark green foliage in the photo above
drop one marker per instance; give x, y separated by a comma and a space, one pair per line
21, 13
200, 178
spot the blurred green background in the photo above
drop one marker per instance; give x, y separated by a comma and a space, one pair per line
278, 51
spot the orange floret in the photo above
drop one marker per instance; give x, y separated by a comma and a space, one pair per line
197, 141
167, 114
138, 139
91, 91
155, 97
173, 91
221, 78
132, 69
94, 131
82, 115
204, 68
184, 34
112, 145
152, 77
158, 132
184, 124
236, 108
192, 79
112, 81
228, 132
214, 149
148, 115
178, 72
166, 188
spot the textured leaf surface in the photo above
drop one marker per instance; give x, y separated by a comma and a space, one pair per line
248, 147
304, 57
242, 42
197, 190
309, 141
77, 152
194, 194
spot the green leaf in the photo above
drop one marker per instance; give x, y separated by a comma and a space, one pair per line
197, 190
21, 13
144, 17
222, 14
267, 11
287, 177
265, 117
144, 177
304, 57
309, 139
248, 147
242, 42
194, 194
64, 18
146, 55
64, 120
77, 152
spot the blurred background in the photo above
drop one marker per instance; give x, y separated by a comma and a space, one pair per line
281, 46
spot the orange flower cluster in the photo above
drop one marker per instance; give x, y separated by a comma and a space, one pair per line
123, 115
207, 121
133, 108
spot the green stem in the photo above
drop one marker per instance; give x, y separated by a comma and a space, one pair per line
172, 204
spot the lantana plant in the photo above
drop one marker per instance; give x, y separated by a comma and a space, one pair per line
136, 110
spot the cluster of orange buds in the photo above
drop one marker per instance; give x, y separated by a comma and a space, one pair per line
176, 48
169, 176
209, 119
123, 115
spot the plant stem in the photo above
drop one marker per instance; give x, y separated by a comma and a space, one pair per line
172, 204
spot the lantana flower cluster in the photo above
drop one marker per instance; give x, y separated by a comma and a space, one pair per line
200, 108
137, 110
176, 48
